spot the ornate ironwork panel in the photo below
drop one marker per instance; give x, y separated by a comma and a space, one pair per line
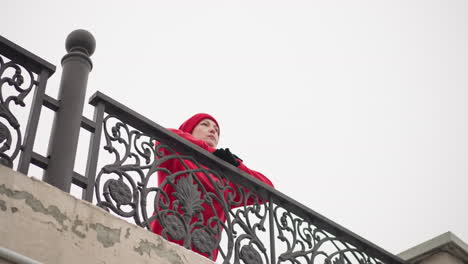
194, 206
302, 242
178, 191
16, 83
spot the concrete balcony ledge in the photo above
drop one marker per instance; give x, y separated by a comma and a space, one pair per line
42, 223
443, 249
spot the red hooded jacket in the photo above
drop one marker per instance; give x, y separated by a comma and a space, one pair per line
175, 165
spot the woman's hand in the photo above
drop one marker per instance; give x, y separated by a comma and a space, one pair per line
226, 155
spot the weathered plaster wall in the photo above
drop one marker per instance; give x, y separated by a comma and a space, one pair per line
5, 262
50, 226
443, 249
442, 258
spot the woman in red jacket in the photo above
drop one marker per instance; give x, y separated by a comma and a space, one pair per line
190, 209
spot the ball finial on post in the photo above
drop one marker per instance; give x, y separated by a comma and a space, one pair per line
76, 66
82, 41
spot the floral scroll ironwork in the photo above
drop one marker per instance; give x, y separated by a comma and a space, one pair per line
213, 209
196, 207
12, 75
303, 242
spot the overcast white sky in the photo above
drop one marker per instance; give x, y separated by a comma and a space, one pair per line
357, 109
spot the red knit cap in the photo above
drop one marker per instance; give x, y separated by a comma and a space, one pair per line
192, 122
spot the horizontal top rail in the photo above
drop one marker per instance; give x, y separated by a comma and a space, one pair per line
181, 145
24, 57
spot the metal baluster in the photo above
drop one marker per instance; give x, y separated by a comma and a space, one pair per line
33, 121
272, 229
93, 153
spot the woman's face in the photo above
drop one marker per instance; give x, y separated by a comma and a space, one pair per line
207, 130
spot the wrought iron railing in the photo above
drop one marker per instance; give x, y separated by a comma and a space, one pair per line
21, 73
244, 219
262, 225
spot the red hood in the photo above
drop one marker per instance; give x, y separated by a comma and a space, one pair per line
193, 121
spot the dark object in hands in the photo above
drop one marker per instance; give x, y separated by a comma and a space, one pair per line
226, 155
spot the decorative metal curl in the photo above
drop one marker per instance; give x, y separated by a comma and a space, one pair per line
204, 240
120, 192
15, 80
249, 255
305, 243
195, 206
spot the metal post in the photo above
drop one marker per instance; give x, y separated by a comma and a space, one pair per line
33, 122
76, 64
271, 217
93, 153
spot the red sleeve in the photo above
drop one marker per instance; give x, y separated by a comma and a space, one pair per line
257, 175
